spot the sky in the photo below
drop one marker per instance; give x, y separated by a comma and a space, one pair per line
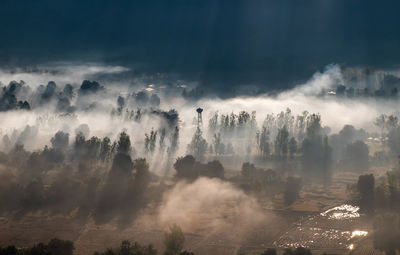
218, 43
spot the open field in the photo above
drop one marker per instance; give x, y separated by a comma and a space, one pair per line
279, 227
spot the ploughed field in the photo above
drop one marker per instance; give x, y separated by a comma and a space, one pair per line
321, 220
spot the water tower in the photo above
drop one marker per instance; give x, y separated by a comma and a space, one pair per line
199, 117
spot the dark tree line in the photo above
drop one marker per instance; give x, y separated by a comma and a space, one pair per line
84, 181
187, 167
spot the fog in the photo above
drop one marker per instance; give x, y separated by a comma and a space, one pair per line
110, 145
212, 204
94, 110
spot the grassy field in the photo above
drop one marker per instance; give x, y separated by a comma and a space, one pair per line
280, 226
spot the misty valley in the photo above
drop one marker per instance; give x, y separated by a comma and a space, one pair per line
94, 161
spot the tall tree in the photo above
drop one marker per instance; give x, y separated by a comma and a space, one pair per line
281, 142
198, 146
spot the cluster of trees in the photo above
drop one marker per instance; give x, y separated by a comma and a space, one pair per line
288, 251
377, 196
382, 92
300, 137
127, 248
368, 82
173, 241
165, 136
387, 233
259, 180
8, 97
280, 135
233, 123
198, 145
66, 99
382, 198
53, 247
270, 183
44, 95
142, 100
44, 181
293, 187
187, 167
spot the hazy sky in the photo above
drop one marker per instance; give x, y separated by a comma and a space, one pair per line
220, 43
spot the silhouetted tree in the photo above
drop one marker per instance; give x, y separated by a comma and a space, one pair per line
60, 247
297, 251
60, 141
292, 190
173, 241
263, 141
269, 252
281, 142
105, 149
185, 167
124, 143
366, 187
213, 169
356, 156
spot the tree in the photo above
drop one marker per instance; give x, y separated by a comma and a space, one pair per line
60, 247
10, 250
142, 174
263, 141
125, 248
248, 169
366, 187
34, 194
213, 169
394, 140
269, 252
391, 122
219, 147
174, 240
150, 141
281, 141
213, 123
161, 141
124, 143
184, 167
316, 152
243, 119
387, 233
292, 146
380, 122
356, 156
297, 251
198, 146
60, 141
174, 138
313, 125
80, 145
292, 189
105, 149
93, 147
